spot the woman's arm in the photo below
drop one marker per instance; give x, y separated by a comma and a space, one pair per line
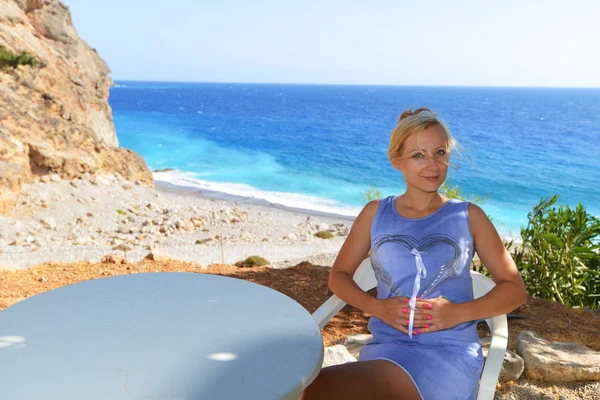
509, 292
354, 250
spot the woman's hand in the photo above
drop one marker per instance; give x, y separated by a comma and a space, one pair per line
435, 315
395, 312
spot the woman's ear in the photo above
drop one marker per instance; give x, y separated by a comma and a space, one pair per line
396, 162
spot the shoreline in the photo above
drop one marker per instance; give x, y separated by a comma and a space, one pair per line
168, 187
89, 218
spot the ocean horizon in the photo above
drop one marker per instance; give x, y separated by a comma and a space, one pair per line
320, 147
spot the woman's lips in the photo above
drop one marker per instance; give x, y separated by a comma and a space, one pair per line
431, 178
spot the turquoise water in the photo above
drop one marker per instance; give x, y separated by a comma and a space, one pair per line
319, 147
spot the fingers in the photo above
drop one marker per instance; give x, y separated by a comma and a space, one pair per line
402, 299
422, 318
419, 313
421, 304
421, 325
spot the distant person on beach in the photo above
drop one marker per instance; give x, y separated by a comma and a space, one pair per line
424, 320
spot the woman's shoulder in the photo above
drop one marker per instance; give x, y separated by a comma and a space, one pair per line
476, 213
371, 207
460, 204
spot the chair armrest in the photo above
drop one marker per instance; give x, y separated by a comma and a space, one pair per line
328, 310
495, 358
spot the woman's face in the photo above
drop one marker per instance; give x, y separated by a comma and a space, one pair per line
424, 159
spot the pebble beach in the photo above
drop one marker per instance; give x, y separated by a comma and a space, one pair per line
89, 218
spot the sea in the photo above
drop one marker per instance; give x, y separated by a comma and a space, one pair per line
324, 147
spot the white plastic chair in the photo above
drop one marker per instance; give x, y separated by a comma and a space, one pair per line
365, 278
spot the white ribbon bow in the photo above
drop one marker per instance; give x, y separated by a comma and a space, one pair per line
421, 273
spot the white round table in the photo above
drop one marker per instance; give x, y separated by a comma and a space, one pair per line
167, 336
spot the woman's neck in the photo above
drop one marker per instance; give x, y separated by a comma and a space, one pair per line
421, 201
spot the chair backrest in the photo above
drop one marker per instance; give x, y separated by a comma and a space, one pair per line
366, 280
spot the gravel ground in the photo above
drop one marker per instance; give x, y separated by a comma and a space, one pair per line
88, 218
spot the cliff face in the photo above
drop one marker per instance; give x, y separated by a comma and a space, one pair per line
55, 118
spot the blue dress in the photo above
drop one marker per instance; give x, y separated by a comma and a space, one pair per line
426, 258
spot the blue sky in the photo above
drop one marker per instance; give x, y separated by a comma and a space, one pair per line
468, 42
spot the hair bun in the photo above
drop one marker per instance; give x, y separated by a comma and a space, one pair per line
410, 112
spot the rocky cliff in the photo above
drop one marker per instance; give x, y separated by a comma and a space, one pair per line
55, 120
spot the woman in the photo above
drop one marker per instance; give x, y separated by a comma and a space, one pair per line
424, 319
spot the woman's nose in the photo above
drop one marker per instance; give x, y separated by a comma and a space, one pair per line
432, 163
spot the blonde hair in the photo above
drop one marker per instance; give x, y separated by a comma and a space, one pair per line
416, 122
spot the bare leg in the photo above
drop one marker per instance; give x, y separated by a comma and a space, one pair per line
377, 379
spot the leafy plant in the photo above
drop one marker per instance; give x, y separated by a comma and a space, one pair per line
252, 261
372, 193
454, 192
324, 235
8, 59
119, 211
559, 257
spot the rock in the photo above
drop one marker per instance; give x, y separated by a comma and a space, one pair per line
114, 259
187, 225
322, 227
48, 223
512, 366
56, 120
336, 355
102, 180
197, 222
122, 247
354, 343
557, 362
156, 255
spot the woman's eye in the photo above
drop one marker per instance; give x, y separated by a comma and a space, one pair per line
441, 152
417, 155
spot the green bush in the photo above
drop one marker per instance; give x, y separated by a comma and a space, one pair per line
8, 59
559, 258
372, 193
252, 261
454, 192
324, 235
